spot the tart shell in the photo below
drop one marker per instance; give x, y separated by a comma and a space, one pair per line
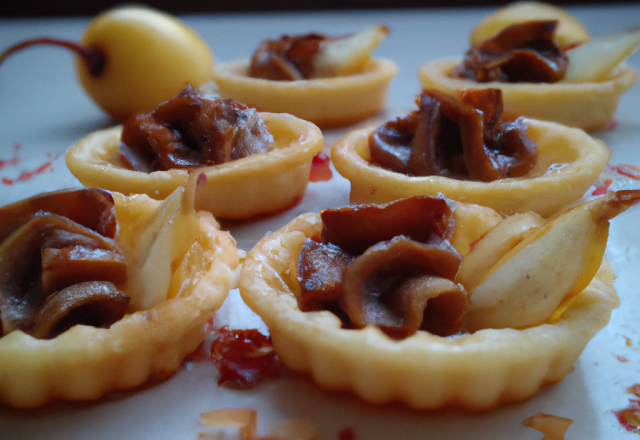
327, 102
85, 362
475, 372
569, 162
256, 184
589, 106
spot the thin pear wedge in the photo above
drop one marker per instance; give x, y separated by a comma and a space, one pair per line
553, 264
349, 55
160, 246
505, 236
594, 60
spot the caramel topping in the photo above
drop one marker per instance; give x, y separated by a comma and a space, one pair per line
389, 266
288, 59
190, 131
90, 207
523, 52
43, 253
456, 139
355, 228
94, 303
391, 283
320, 268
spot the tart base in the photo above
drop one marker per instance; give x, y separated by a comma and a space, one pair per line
257, 184
85, 363
474, 372
569, 162
590, 106
327, 102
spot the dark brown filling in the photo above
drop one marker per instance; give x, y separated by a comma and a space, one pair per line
458, 139
67, 253
391, 266
287, 59
523, 52
192, 130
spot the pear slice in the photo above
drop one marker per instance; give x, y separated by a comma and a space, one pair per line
569, 32
594, 60
505, 236
161, 243
553, 264
346, 56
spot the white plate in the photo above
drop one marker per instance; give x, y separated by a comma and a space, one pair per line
43, 109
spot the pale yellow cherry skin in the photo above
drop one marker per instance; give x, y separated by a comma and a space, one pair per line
149, 57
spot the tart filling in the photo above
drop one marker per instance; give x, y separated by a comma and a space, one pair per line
179, 269
253, 184
328, 81
475, 371
546, 67
569, 161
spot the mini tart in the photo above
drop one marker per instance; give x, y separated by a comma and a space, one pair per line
475, 372
256, 184
327, 102
85, 362
589, 106
569, 162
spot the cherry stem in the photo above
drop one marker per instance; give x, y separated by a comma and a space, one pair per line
92, 58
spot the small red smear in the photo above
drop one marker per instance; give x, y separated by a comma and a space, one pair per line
629, 417
28, 175
202, 179
320, 170
628, 170
612, 125
602, 189
622, 359
14, 160
347, 434
244, 358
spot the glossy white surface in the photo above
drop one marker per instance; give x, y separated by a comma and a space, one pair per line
44, 110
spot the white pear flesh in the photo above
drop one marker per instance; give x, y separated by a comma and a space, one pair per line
555, 263
162, 243
505, 236
593, 61
349, 55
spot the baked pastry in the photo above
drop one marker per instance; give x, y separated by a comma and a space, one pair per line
471, 370
567, 161
546, 68
179, 269
329, 81
237, 185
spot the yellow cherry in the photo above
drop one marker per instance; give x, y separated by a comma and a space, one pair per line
133, 58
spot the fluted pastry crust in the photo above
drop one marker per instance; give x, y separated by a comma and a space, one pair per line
589, 105
86, 362
327, 102
475, 372
256, 184
577, 160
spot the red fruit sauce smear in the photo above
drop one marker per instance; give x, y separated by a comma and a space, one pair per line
602, 189
320, 170
629, 417
14, 160
29, 174
628, 170
244, 357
